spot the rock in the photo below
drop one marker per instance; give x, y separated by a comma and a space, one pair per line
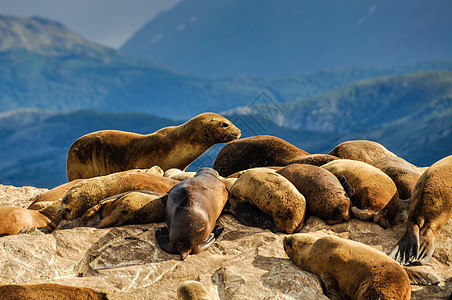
245, 263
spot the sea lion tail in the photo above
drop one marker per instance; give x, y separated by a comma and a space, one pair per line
407, 249
346, 185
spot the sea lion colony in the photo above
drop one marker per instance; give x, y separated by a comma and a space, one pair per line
296, 184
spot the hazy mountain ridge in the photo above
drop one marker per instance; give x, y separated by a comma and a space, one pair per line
275, 38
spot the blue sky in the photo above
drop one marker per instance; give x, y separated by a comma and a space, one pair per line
107, 22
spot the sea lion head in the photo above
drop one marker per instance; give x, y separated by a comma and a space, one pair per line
217, 128
207, 170
70, 209
297, 246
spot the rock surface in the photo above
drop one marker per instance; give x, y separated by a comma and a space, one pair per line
245, 263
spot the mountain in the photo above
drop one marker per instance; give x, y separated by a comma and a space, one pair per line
76, 74
274, 38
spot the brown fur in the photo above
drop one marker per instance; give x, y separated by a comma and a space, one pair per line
55, 194
404, 174
324, 194
48, 291
274, 195
375, 193
256, 151
138, 207
348, 268
90, 192
430, 210
14, 219
192, 209
109, 151
314, 159
192, 290
362, 150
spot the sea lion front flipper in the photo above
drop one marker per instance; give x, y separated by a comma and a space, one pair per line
407, 248
346, 185
162, 238
331, 287
363, 214
92, 216
418, 277
247, 213
427, 245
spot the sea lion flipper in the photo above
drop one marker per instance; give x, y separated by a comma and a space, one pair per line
363, 214
247, 213
91, 217
418, 277
331, 287
407, 248
162, 238
211, 238
427, 245
346, 185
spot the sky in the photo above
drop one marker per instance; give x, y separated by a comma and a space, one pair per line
106, 22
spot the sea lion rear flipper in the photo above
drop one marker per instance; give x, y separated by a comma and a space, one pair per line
210, 239
418, 277
247, 213
331, 287
363, 214
427, 245
346, 185
407, 248
162, 238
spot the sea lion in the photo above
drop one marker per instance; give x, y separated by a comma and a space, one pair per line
256, 151
137, 207
404, 174
348, 269
109, 151
192, 290
430, 209
178, 174
324, 194
272, 194
376, 197
314, 159
49, 197
14, 219
89, 192
48, 291
362, 150
192, 209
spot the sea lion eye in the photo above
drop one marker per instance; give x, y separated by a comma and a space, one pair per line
224, 125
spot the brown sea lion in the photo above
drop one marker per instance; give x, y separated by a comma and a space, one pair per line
256, 151
48, 291
362, 150
192, 209
430, 210
55, 194
324, 194
404, 174
314, 159
348, 269
137, 207
376, 197
273, 195
192, 290
109, 151
14, 219
90, 192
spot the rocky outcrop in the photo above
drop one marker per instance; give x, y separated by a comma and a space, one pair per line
245, 263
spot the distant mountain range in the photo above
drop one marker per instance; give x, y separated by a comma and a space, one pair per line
273, 38
47, 72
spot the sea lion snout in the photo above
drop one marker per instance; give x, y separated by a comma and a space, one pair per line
287, 242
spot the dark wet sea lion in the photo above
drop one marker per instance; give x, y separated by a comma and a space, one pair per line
348, 269
430, 209
192, 209
256, 151
109, 151
362, 150
324, 194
